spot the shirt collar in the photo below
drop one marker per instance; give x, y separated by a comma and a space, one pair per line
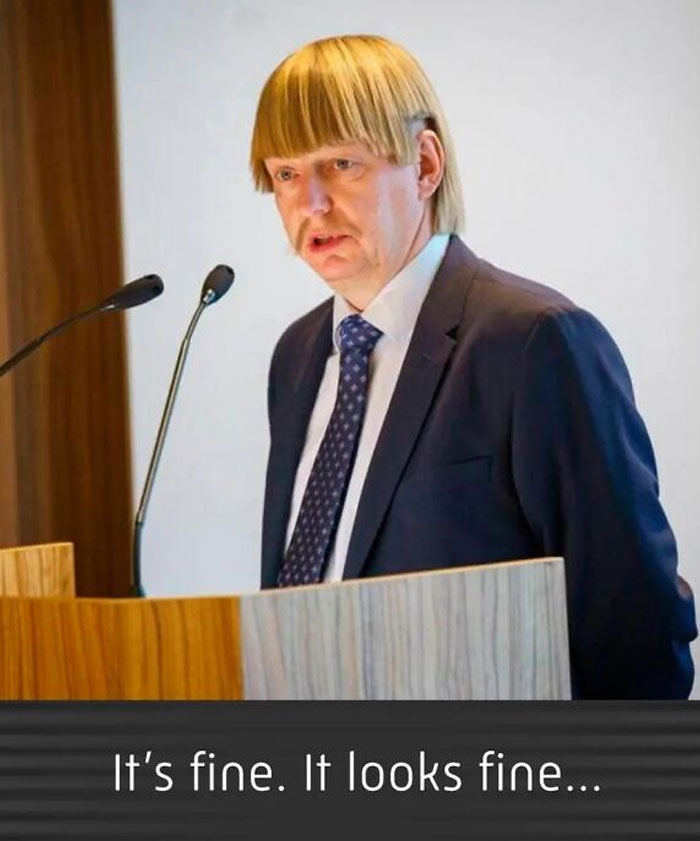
395, 309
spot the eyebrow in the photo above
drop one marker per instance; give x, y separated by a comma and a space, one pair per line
340, 151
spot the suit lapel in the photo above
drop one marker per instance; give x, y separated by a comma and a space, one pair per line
304, 371
428, 353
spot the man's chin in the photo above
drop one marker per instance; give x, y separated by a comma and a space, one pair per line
335, 271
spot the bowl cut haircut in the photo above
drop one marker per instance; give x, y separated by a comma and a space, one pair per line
354, 88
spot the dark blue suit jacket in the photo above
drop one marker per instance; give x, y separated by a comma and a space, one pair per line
512, 433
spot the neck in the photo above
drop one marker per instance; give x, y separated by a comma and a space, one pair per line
363, 294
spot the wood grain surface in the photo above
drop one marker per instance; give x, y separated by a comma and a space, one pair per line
9, 515
130, 649
45, 570
492, 632
64, 429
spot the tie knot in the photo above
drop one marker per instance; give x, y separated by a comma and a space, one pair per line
356, 334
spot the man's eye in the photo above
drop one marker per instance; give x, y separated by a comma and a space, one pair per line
343, 164
284, 175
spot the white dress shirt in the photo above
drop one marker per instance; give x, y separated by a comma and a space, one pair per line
394, 311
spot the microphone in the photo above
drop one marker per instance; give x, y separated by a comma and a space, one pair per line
131, 295
215, 286
135, 293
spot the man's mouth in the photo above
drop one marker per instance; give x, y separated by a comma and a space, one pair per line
323, 242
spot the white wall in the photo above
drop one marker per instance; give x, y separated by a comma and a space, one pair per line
578, 128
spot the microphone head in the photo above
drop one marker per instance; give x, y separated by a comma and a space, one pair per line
135, 293
216, 284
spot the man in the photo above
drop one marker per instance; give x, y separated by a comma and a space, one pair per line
437, 411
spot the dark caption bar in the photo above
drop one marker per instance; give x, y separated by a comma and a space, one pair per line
322, 770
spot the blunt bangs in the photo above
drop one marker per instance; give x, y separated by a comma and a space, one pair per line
346, 89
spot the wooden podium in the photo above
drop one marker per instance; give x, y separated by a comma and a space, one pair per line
496, 631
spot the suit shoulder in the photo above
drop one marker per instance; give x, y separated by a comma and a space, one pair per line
305, 328
501, 294
519, 321
537, 308
504, 311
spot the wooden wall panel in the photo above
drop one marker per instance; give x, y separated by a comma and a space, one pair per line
65, 471
9, 522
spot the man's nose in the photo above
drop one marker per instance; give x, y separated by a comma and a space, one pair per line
314, 198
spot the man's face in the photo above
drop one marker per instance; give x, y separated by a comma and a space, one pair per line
353, 216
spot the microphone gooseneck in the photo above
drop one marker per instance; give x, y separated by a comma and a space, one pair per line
216, 285
131, 295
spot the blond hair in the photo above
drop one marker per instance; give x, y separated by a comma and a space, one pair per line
354, 88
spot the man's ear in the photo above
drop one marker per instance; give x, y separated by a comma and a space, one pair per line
431, 162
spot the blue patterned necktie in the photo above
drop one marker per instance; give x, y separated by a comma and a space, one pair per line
314, 530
